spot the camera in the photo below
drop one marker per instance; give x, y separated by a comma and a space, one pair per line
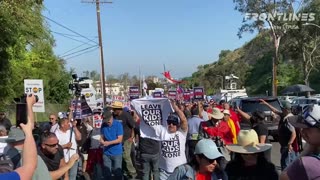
76, 87
21, 108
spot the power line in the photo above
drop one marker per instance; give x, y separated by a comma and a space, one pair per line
74, 48
72, 35
80, 51
61, 34
68, 28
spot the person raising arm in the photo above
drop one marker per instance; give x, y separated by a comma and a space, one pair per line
183, 119
25, 172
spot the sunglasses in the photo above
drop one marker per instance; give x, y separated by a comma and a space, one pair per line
52, 145
211, 161
175, 123
1, 114
51, 118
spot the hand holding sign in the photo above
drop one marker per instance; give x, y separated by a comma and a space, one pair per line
174, 105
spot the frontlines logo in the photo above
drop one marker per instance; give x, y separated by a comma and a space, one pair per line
285, 17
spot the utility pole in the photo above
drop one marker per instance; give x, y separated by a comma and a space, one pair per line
140, 86
102, 76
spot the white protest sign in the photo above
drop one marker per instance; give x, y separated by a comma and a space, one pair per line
97, 121
152, 112
35, 86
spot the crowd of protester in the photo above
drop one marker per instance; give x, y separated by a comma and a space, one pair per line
211, 144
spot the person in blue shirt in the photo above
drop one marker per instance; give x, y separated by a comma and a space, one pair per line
111, 139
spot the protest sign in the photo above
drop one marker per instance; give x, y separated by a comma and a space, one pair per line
186, 96
198, 93
81, 108
134, 92
172, 94
152, 112
157, 94
35, 86
97, 121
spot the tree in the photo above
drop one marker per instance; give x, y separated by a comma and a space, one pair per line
124, 79
86, 73
302, 44
260, 13
18, 19
94, 75
26, 52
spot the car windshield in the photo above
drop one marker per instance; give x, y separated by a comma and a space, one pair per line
251, 106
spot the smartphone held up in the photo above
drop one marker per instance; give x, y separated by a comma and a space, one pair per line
21, 108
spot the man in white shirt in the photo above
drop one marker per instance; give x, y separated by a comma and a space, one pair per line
173, 141
67, 139
54, 123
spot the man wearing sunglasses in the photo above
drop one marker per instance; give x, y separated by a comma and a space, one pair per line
173, 141
53, 122
4, 121
52, 154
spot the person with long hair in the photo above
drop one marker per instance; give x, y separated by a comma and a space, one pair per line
249, 161
204, 166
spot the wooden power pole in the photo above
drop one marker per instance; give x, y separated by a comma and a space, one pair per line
102, 76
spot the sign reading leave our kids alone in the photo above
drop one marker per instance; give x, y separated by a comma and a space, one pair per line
152, 112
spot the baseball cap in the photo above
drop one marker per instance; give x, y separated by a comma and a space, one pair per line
15, 135
174, 119
286, 105
208, 148
310, 117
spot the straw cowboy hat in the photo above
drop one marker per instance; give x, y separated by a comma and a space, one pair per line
248, 143
216, 114
117, 105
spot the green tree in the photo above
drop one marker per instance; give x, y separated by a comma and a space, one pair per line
26, 52
258, 7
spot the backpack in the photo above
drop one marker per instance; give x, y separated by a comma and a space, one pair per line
6, 165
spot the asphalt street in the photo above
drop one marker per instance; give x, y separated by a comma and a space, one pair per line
275, 155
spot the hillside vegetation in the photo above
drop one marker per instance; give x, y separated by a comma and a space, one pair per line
299, 61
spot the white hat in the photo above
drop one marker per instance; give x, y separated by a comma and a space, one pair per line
226, 111
248, 143
216, 114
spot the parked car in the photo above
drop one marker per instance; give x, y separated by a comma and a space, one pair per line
299, 102
287, 98
251, 104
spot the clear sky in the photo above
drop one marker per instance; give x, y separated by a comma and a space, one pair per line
181, 34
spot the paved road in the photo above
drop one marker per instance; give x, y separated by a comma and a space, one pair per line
275, 155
